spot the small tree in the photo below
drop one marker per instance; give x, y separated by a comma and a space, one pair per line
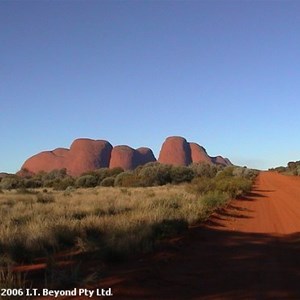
86, 181
127, 179
11, 182
108, 181
181, 174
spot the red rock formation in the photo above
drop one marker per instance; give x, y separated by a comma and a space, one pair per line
87, 155
219, 160
128, 158
44, 161
144, 156
175, 151
60, 151
84, 155
199, 154
122, 156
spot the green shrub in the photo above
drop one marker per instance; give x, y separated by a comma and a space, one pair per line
48, 183
103, 173
227, 181
32, 183
205, 169
280, 169
10, 182
115, 171
148, 175
86, 181
64, 183
164, 174
292, 165
201, 185
245, 173
226, 172
127, 179
55, 174
43, 179
234, 186
214, 200
181, 174
108, 181
155, 174
297, 171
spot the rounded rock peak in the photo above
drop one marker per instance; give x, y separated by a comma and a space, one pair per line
219, 160
122, 156
123, 148
87, 155
83, 143
175, 151
144, 150
145, 155
176, 137
44, 161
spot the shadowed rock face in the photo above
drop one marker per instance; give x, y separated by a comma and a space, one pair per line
87, 155
219, 160
175, 151
144, 155
129, 158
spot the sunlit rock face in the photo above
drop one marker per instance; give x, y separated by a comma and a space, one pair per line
87, 155
175, 151
84, 155
199, 154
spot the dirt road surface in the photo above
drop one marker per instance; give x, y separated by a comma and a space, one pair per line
250, 250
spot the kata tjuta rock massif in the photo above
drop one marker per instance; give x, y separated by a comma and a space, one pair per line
177, 151
87, 155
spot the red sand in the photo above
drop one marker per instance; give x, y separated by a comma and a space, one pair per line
250, 250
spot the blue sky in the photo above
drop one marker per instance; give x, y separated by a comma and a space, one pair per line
224, 74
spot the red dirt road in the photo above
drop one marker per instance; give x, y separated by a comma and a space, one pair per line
250, 250
274, 207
